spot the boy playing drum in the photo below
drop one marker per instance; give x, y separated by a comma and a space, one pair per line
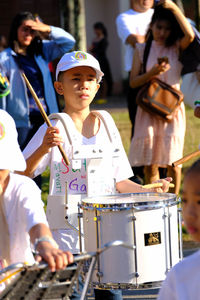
78, 76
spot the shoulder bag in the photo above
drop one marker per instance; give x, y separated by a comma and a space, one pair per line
158, 97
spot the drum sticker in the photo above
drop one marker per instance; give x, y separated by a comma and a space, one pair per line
153, 238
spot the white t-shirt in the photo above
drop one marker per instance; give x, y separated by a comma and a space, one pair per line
182, 282
61, 173
23, 210
132, 22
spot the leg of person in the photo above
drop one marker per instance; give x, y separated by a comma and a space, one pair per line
108, 294
151, 173
140, 175
175, 173
23, 133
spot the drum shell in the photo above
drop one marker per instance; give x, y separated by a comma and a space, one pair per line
149, 262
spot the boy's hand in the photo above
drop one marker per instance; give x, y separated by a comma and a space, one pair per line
165, 185
197, 111
56, 258
51, 139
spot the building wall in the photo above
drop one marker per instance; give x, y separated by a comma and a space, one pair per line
48, 10
106, 11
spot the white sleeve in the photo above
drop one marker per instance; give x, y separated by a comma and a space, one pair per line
123, 29
122, 167
168, 288
31, 203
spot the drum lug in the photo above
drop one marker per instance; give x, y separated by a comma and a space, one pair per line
167, 271
80, 215
164, 216
133, 218
97, 218
99, 274
137, 274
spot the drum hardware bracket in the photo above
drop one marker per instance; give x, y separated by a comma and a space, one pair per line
164, 216
136, 274
99, 274
97, 218
167, 270
133, 218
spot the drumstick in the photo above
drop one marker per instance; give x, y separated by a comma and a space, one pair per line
156, 185
186, 158
44, 115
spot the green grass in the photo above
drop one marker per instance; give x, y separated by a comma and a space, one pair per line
192, 137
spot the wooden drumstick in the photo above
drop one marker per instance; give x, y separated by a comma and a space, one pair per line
186, 158
156, 185
44, 115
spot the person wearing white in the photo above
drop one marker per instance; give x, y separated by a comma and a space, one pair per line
182, 282
22, 215
77, 78
60, 173
132, 26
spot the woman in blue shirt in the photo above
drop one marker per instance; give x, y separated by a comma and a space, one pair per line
29, 53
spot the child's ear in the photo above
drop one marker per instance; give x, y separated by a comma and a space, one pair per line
58, 87
98, 86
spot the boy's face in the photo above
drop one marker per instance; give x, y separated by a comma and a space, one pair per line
141, 5
191, 204
78, 86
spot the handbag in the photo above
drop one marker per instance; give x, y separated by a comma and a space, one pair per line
156, 96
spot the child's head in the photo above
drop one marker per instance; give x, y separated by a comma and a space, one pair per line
164, 27
77, 78
191, 200
99, 29
11, 157
78, 59
23, 36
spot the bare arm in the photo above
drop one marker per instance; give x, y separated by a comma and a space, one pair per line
51, 139
136, 79
128, 186
183, 22
133, 39
56, 258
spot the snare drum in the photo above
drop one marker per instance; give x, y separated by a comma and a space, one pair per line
148, 221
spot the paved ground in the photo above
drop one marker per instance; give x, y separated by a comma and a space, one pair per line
113, 103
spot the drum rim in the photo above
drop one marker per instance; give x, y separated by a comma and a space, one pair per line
171, 200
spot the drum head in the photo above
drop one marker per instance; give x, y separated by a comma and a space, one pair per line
136, 200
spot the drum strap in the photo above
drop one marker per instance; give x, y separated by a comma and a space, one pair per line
71, 130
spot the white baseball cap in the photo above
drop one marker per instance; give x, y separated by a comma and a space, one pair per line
78, 59
11, 157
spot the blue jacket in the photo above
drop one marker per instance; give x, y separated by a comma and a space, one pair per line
17, 102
